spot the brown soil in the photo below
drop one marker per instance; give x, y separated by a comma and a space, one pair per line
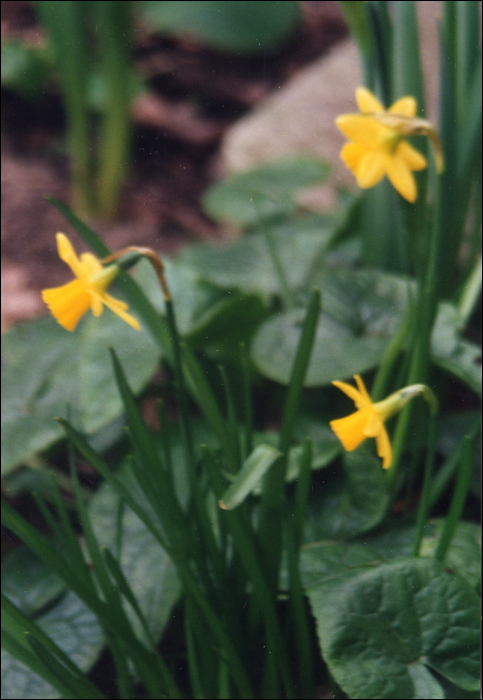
195, 95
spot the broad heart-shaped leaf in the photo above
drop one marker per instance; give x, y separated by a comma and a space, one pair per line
247, 264
148, 570
350, 502
450, 352
263, 193
205, 312
395, 540
360, 313
50, 372
382, 627
245, 27
61, 615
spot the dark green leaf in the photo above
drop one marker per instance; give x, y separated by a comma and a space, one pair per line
263, 193
248, 27
383, 627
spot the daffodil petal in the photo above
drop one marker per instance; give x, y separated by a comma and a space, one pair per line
90, 264
367, 102
119, 308
401, 177
370, 169
360, 129
67, 253
405, 106
413, 158
350, 430
384, 449
351, 392
351, 154
362, 389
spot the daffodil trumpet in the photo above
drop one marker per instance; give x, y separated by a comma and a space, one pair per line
369, 419
377, 143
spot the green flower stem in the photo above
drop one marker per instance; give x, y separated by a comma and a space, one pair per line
425, 316
448, 468
272, 506
356, 15
459, 497
287, 294
264, 594
423, 509
114, 25
247, 402
299, 615
66, 26
391, 355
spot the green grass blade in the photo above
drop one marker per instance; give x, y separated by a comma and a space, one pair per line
254, 469
65, 23
113, 23
15, 626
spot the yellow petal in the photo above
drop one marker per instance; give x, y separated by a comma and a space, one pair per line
361, 129
350, 430
384, 447
413, 158
68, 255
367, 102
371, 169
362, 389
68, 303
406, 106
119, 308
351, 154
351, 392
401, 177
90, 264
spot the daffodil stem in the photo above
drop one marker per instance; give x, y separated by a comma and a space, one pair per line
391, 355
187, 439
423, 509
459, 497
114, 23
287, 294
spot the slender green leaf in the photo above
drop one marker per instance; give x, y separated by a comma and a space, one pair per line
254, 468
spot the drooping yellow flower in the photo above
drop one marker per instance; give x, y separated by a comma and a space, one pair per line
369, 419
70, 302
377, 143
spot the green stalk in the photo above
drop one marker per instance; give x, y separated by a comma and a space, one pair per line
272, 504
245, 547
423, 509
459, 498
65, 23
287, 294
114, 21
448, 468
247, 403
356, 15
424, 320
297, 603
391, 355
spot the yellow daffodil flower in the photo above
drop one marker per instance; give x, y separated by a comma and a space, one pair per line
377, 143
88, 291
369, 419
